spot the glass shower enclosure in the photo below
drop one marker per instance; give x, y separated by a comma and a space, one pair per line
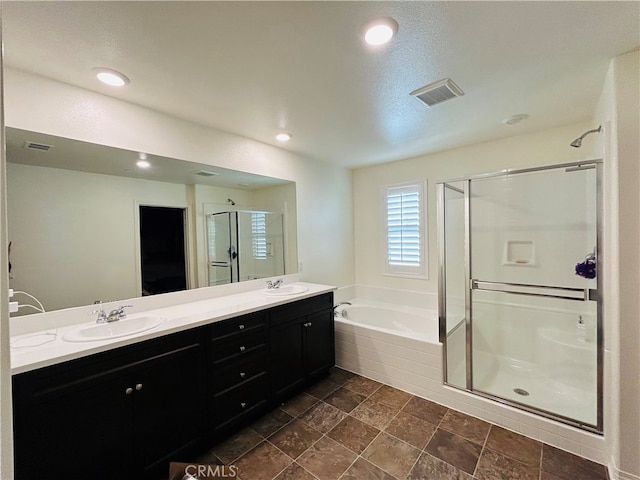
244, 245
520, 307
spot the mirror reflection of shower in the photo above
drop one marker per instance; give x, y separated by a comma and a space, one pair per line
244, 245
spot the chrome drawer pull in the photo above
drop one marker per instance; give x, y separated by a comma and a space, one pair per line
242, 374
128, 391
243, 405
241, 327
242, 348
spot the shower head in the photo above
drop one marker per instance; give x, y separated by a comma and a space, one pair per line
577, 143
230, 201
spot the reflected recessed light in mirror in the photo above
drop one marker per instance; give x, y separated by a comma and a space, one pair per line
143, 164
380, 31
111, 77
283, 137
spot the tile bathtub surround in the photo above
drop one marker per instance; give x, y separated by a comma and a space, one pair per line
349, 427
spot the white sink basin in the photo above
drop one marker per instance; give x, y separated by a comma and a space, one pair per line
285, 290
107, 331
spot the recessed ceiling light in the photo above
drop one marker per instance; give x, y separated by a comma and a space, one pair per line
111, 77
380, 31
283, 137
512, 120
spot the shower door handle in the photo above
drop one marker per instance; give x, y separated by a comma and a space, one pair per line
545, 291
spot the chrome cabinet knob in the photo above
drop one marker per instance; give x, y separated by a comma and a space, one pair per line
138, 386
242, 374
309, 324
243, 405
242, 348
128, 391
241, 327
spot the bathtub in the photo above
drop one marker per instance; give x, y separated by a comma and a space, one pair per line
396, 320
393, 344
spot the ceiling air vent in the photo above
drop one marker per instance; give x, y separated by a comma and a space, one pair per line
437, 92
206, 173
37, 146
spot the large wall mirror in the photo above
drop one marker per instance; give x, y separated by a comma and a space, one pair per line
87, 224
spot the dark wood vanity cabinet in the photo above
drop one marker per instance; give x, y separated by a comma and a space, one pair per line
126, 413
117, 414
239, 370
302, 343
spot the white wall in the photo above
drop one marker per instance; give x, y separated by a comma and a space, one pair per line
547, 147
617, 111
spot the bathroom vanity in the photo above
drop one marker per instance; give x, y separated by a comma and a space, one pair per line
127, 411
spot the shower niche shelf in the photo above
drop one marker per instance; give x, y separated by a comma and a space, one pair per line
519, 253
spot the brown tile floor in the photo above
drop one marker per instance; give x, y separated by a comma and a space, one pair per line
348, 427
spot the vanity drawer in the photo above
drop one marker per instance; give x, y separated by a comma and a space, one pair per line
301, 308
231, 406
227, 329
242, 345
240, 371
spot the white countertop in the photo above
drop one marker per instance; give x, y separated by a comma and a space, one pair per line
176, 318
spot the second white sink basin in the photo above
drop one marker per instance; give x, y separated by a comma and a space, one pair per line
107, 331
285, 290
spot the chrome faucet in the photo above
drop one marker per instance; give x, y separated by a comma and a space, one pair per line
118, 314
274, 283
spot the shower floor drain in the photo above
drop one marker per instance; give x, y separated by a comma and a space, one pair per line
521, 391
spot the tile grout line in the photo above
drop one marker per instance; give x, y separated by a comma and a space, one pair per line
484, 444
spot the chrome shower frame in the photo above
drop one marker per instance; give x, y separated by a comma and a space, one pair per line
596, 295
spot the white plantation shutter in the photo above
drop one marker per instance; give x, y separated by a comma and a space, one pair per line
405, 249
259, 234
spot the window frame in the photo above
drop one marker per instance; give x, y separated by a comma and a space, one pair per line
421, 270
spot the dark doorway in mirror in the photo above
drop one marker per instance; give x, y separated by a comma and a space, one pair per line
162, 249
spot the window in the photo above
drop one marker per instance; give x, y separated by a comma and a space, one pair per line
405, 230
259, 234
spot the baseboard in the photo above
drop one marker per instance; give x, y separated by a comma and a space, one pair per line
615, 474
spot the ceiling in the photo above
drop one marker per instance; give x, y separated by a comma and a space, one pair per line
257, 68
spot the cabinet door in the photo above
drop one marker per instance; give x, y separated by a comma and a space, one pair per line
169, 414
287, 357
82, 432
319, 343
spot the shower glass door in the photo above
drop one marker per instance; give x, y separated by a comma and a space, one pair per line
222, 248
454, 322
532, 329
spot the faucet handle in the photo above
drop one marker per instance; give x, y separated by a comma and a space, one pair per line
121, 312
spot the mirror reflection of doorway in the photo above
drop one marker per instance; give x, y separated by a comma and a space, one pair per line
162, 249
